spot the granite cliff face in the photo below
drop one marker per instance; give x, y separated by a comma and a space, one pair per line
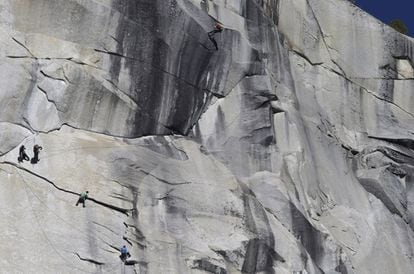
288, 150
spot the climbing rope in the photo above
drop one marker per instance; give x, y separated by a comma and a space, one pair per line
58, 152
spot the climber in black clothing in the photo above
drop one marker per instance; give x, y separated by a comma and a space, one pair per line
217, 29
36, 150
22, 155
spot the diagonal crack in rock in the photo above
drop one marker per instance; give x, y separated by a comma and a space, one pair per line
163, 180
88, 260
119, 209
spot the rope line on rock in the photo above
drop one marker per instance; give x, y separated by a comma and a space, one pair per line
57, 152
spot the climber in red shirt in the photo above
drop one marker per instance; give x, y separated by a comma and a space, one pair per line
217, 29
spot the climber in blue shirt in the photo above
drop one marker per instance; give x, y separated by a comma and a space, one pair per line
124, 253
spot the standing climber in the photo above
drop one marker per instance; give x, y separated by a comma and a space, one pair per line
82, 198
124, 253
217, 29
36, 150
22, 154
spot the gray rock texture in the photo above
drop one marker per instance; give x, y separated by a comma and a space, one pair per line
288, 150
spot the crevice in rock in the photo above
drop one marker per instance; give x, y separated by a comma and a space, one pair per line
20, 57
117, 250
173, 130
370, 92
138, 233
109, 251
104, 134
88, 260
396, 156
129, 241
114, 38
23, 46
163, 180
350, 149
107, 228
388, 101
48, 99
266, 100
305, 57
220, 96
117, 182
340, 68
65, 76
363, 88
51, 77
109, 134
20, 125
29, 126
155, 67
397, 171
215, 94
135, 103
336, 72
121, 198
134, 262
121, 195
121, 210
70, 59
382, 78
407, 143
374, 187
320, 28
182, 152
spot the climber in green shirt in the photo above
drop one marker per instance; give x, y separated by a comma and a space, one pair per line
82, 198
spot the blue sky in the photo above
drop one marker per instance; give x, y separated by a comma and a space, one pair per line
389, 10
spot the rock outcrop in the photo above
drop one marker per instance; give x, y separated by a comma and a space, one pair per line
288, 150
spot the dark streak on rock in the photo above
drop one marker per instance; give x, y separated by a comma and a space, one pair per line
206, 265
260, 254
311, 238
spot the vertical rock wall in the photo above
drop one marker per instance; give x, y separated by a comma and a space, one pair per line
288, 150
